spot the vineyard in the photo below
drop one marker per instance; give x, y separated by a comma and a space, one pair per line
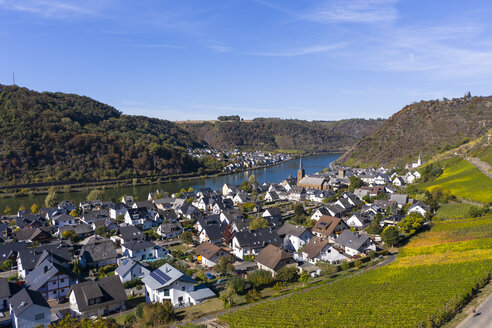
424, 287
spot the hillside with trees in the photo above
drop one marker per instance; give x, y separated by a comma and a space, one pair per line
426, 127
60, 137
278, 134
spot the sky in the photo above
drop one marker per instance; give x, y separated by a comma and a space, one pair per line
303, 59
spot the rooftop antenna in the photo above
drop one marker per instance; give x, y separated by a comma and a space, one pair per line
13, 78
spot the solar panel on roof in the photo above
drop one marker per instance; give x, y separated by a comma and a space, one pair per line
160, 276
125, 262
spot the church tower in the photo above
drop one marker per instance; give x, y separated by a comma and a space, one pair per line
300, 172
419, 161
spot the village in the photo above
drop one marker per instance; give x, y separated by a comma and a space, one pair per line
100, 258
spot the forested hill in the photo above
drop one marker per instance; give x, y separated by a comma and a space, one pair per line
279, 134
55, 136
429, 127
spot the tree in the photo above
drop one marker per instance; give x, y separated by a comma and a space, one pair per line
257, 223
228, 234
69, 322
411, 223
224, 264
76, 267
95, 194
299, 210
69, 234
51, 199
228, 298
304, 277
355, 182
6, 265
35, 208
287, 274
390, 235
190, 189
259, 278
252, 179
246, 186
186, 237
236, 283
345, 265
156, 314
120, 218
252, 295
7, 210
75, 213
22, 208
101, 230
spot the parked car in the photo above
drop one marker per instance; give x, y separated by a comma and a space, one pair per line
61, 299
209, 275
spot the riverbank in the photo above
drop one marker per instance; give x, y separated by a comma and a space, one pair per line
140, 190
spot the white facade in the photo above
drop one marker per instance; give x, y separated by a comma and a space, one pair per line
33, 316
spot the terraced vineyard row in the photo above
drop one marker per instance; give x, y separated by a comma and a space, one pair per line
424, 287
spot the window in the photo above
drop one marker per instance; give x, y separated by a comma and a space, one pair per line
183, 288
166, 292
39, 316
62, 280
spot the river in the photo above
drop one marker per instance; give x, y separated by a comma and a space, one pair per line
276, 173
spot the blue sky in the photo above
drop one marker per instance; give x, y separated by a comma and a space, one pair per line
314, 60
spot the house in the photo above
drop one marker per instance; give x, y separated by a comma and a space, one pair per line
419, 207
127, 234
271, 196
97, 252
90, 217
321, 195
81, 230
358, 221
9, 251
117, 209
29, 258
61, 220
247, 242
208, 253
92, 299
127, 200
29, 309
381, 179
50, 277
228, 189
170, 230
213, 233
143, 250
168, 283
297, 193
329, 227
294, 237
400, 199
319, 213
5, 231
240, 198
42, 234
272, 211
66, 205
336, 210
319, 249
139, 217
7, 289
130, 269
272, 258
398, 181
354, 243
168, 215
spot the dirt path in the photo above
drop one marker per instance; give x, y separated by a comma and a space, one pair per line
212, 317
481, 165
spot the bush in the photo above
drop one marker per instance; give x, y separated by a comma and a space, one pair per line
345, 265
132, 283
287, 274
260, 278
236, 283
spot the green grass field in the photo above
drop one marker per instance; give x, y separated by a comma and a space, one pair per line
436, 274
462, 179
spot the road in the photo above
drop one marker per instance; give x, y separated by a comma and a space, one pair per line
212, 317
483, 318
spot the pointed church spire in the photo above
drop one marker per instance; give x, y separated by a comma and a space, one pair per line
300, 163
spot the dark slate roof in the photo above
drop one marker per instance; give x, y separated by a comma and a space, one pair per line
62, 217
79, 229
167, 228
130, 232
141, 212
24, 299
110, 289
138, 245
215, 231
30, 256
94, 215
258, 238
98, 249
290, 229
352, 239
6, 250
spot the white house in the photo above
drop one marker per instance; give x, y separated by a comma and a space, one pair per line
130, 269
358, 221
294, 237
143, 250
419, 207
91, 299
28, 309
168, 283
208, 253
355, 243
318, 249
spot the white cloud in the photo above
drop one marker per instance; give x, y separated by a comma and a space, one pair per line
304, 51
53, 8
220, 49
354, 11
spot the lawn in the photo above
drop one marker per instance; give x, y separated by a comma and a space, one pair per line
427, 283
462, 179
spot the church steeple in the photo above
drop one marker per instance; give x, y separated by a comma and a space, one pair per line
419, 161
300, 172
